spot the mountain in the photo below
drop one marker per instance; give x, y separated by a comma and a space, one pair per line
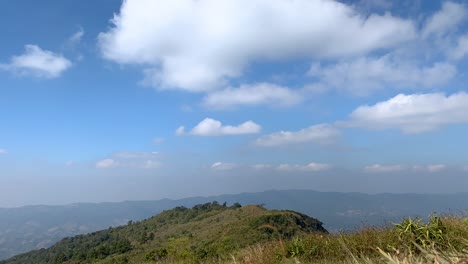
206, 231
34, 227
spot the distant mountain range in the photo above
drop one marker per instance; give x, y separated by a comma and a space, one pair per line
33, 227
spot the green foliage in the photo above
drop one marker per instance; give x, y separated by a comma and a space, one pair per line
214, 233
422, 235
156, 255
236, 205
408, 238
205, 232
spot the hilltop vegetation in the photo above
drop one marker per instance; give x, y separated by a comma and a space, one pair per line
441, 240
214, 233
34, 227
205, 232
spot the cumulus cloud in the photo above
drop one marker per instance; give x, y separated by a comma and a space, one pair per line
222, 166
212, 127
199, 45
3, 152
131, 159
309, 167
366, 74
256, 94
412, 114
38, 63
383, 168
446, 20
321, 134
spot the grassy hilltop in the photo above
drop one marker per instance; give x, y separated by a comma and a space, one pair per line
207, 231
214, 233
33, 227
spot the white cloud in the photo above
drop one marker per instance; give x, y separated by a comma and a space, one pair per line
309, 167
261, 93
430, 168
445, 20
211, 127
38, 63
76, 37
382, 168
180, 131
106, 163
199, 45
366, 74
461, 49
261, 166
321, 134
436, 168
412, 114
131, 159
223, 166
3, 152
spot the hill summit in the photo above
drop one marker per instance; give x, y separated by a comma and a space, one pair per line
205, 231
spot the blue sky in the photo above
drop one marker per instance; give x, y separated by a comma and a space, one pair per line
150, 99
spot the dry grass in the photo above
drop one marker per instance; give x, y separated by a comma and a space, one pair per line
440, 241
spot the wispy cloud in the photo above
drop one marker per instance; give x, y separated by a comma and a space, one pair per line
383, 168
106, 163
38, 63
461, 48
309, 167
223, 166
436, 168
257, 94
321, 134
262, 166
445, 20
131, 159
430, 168
158, 140
75, 39
364, 75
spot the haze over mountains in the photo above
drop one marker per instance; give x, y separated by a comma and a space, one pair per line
32, 227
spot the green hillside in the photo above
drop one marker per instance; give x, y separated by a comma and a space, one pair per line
205, 232
33, 227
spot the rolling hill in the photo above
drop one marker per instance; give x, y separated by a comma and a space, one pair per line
206, 231
33, 227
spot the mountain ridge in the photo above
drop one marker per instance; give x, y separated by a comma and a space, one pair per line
26, 228
205, 231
